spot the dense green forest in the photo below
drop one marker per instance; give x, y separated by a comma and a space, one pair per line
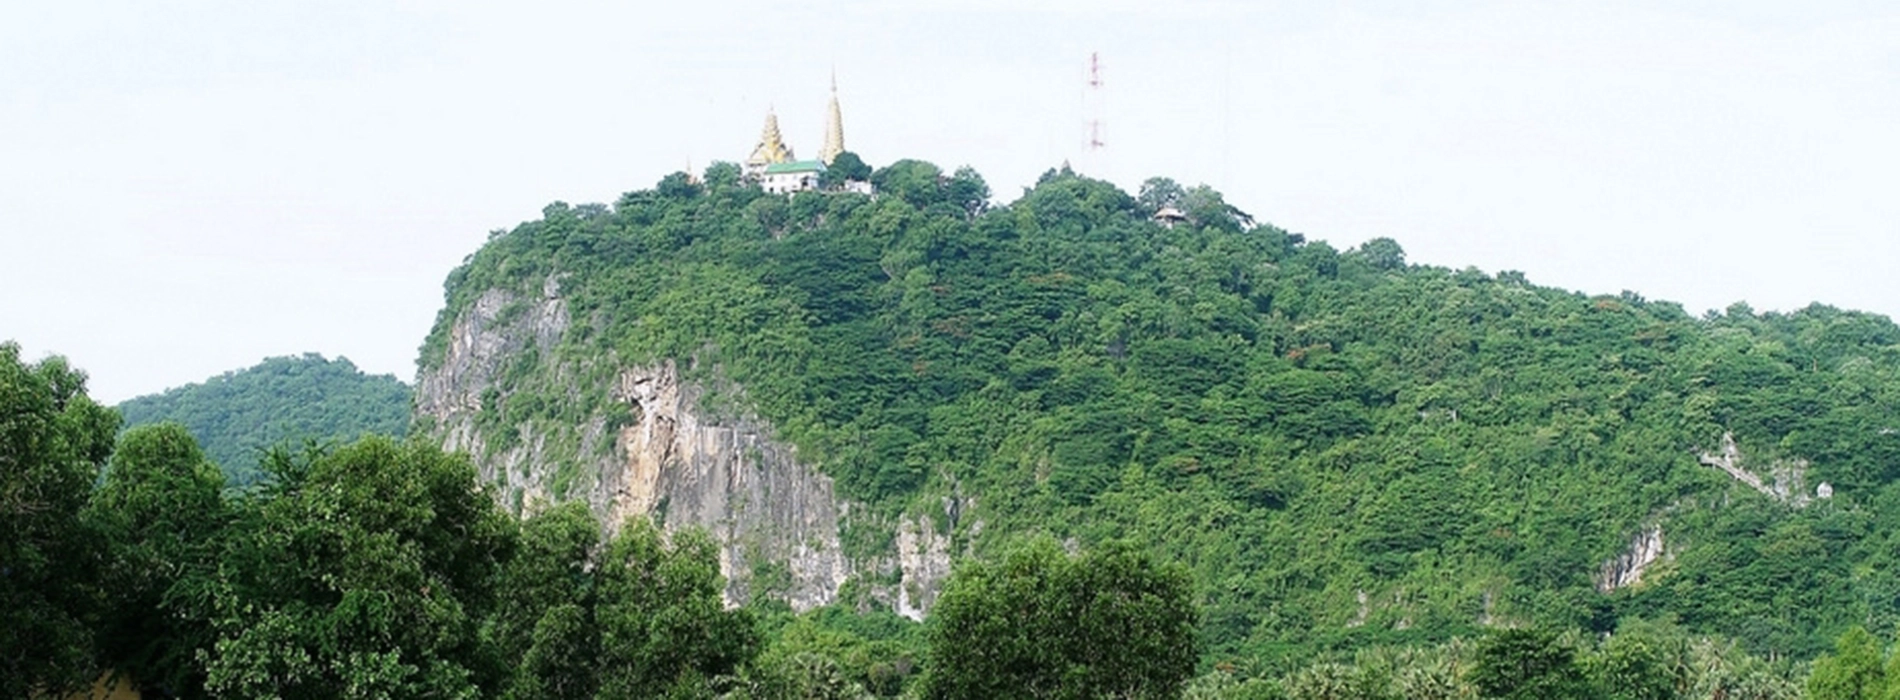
1213, 460
385, 570
1346, 451
238, 414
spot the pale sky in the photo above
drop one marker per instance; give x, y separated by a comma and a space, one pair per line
189, 187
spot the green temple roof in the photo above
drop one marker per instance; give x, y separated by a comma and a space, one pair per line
795, 166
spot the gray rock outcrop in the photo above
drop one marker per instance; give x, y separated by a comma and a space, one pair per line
1627, 569
652, 449
1787, 480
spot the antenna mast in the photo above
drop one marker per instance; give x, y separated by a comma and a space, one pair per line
1093, 103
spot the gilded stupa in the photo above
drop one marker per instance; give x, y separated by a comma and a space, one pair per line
834, 127
771, 149
776, 170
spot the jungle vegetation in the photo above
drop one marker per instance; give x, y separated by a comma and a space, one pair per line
380, 569
1344, 450
238, 415
1212, 459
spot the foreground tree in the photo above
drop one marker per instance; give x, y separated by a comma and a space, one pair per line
1637, 666
543, 619
663, 628
359, 573
162, 516
1529, 664
1040, 623
53, 441
1852, 672
1332, 681
803, 675
643, 619
1722, 670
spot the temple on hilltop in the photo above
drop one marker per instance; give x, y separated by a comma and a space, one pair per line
771, 149
777, 170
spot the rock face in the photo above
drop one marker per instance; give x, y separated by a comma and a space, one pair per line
653, 450
923, 562
777, 520
1789, 478
1627, 568
495, 329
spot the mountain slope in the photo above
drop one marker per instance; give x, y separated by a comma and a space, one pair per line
238, 414
1344, 448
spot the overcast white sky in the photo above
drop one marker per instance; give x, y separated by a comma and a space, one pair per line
188, 187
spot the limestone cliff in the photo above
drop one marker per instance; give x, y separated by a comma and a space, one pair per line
1627, 569
1788, 478
652, 448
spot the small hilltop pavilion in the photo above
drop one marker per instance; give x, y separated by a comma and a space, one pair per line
778, 171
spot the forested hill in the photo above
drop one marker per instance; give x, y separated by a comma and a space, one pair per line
238, 414
1344, 448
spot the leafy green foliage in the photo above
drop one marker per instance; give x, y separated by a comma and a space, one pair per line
1041, 624
1295, 424
161, 513
837, 650
641, 619
847, 166
1529, 664
1853, 672
1636, 666
1637, 661
53, 442
662, 627
544, 605
238, 415
361, 572
373, 570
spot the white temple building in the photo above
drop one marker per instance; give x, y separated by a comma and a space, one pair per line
791, 176
778, 171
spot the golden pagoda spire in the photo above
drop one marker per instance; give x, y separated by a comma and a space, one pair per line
771, 148
834, 126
